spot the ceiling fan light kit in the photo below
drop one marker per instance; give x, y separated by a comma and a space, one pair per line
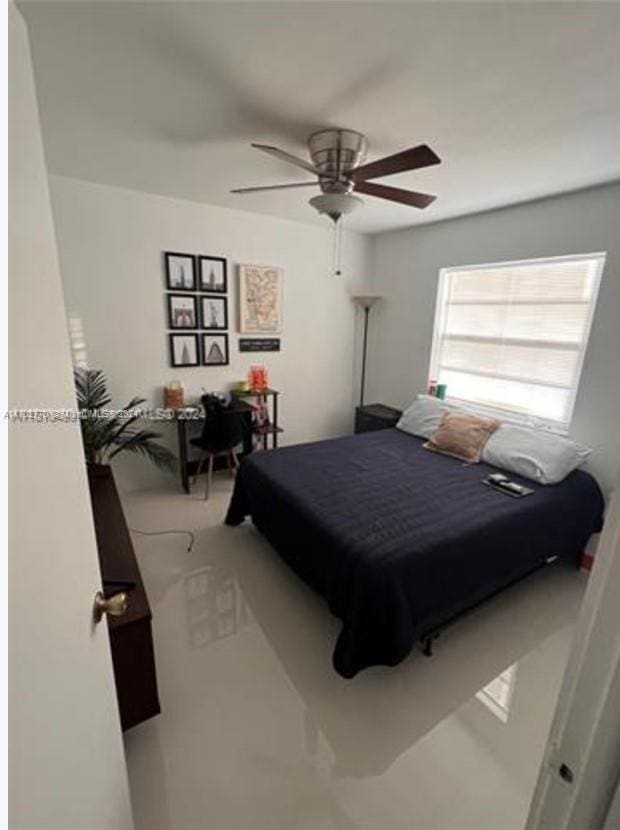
337, 159
335, 205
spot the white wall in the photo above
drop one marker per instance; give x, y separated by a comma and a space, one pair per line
406, 269
111, 242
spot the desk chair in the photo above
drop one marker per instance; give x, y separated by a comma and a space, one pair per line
223, 430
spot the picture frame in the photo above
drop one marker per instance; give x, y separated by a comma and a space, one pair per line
260, 299
182, 311
212, 274
214, 349
184, 350
180, 271
213, 312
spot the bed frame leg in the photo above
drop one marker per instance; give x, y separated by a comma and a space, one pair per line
427, 645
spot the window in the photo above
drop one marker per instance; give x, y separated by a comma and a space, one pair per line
510, 337
77, 341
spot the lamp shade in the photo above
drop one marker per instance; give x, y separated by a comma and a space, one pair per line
335, 204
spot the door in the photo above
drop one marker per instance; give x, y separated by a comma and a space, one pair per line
577, 780
66, 762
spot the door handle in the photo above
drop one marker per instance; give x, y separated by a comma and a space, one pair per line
115, 606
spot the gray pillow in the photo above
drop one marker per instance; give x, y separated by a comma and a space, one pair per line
534, 454
423, 416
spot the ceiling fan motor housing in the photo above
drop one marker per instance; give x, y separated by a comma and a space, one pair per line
334, 153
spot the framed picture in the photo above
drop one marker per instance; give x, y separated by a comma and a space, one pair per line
180, 271
213, 313
183, 349
260, 299
214, 349
212, 274
182, 312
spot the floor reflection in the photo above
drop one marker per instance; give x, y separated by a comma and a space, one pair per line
371, 720
497, 695
215, 608
258, 732
150, 804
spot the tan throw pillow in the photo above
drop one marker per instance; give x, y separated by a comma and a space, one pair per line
462, 436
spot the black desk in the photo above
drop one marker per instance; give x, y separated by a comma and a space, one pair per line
185, 419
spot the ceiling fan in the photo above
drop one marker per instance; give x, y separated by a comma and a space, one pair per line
337, 160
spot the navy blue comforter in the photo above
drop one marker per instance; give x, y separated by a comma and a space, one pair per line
399, 539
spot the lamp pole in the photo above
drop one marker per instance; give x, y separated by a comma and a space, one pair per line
364, 348
366, 301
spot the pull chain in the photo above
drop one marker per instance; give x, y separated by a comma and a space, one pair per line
337, 245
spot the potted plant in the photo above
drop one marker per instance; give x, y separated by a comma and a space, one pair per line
105, 434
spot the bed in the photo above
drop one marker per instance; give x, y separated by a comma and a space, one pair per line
399, 540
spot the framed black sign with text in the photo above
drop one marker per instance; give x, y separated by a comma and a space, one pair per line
259, 344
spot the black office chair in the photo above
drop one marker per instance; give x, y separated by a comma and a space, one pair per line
223, 430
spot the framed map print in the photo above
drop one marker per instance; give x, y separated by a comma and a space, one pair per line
260, 299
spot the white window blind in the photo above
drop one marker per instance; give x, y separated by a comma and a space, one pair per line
511, 336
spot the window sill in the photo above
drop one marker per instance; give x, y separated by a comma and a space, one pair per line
519, 419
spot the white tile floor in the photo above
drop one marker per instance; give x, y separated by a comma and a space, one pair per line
257, 732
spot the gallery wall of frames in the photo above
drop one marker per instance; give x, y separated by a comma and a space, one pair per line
197, 309
198, 314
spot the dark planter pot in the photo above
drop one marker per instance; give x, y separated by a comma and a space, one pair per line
99, 471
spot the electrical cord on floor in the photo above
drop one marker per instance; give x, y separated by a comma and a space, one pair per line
189, 533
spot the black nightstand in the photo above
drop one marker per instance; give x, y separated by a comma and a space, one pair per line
375, 416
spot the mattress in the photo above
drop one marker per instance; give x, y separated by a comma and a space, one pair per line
399, 540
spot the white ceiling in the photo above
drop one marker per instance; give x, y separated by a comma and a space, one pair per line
519, 99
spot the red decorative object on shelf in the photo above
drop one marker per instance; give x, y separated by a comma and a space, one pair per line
259, 380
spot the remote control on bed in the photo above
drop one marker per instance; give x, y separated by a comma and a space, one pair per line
501, 482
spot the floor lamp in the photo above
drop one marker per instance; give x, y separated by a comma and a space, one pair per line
365, 301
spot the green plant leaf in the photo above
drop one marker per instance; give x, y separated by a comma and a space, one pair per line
108, 436
143, 441
91, 388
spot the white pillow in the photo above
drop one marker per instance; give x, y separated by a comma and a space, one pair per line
539, 456
424, 415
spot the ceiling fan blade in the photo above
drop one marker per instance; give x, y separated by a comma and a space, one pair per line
412, 159
273, 187
395, 194
284, 156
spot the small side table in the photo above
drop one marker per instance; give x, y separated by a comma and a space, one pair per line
272, 427
374, 416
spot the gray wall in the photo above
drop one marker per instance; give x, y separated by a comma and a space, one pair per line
406, 269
